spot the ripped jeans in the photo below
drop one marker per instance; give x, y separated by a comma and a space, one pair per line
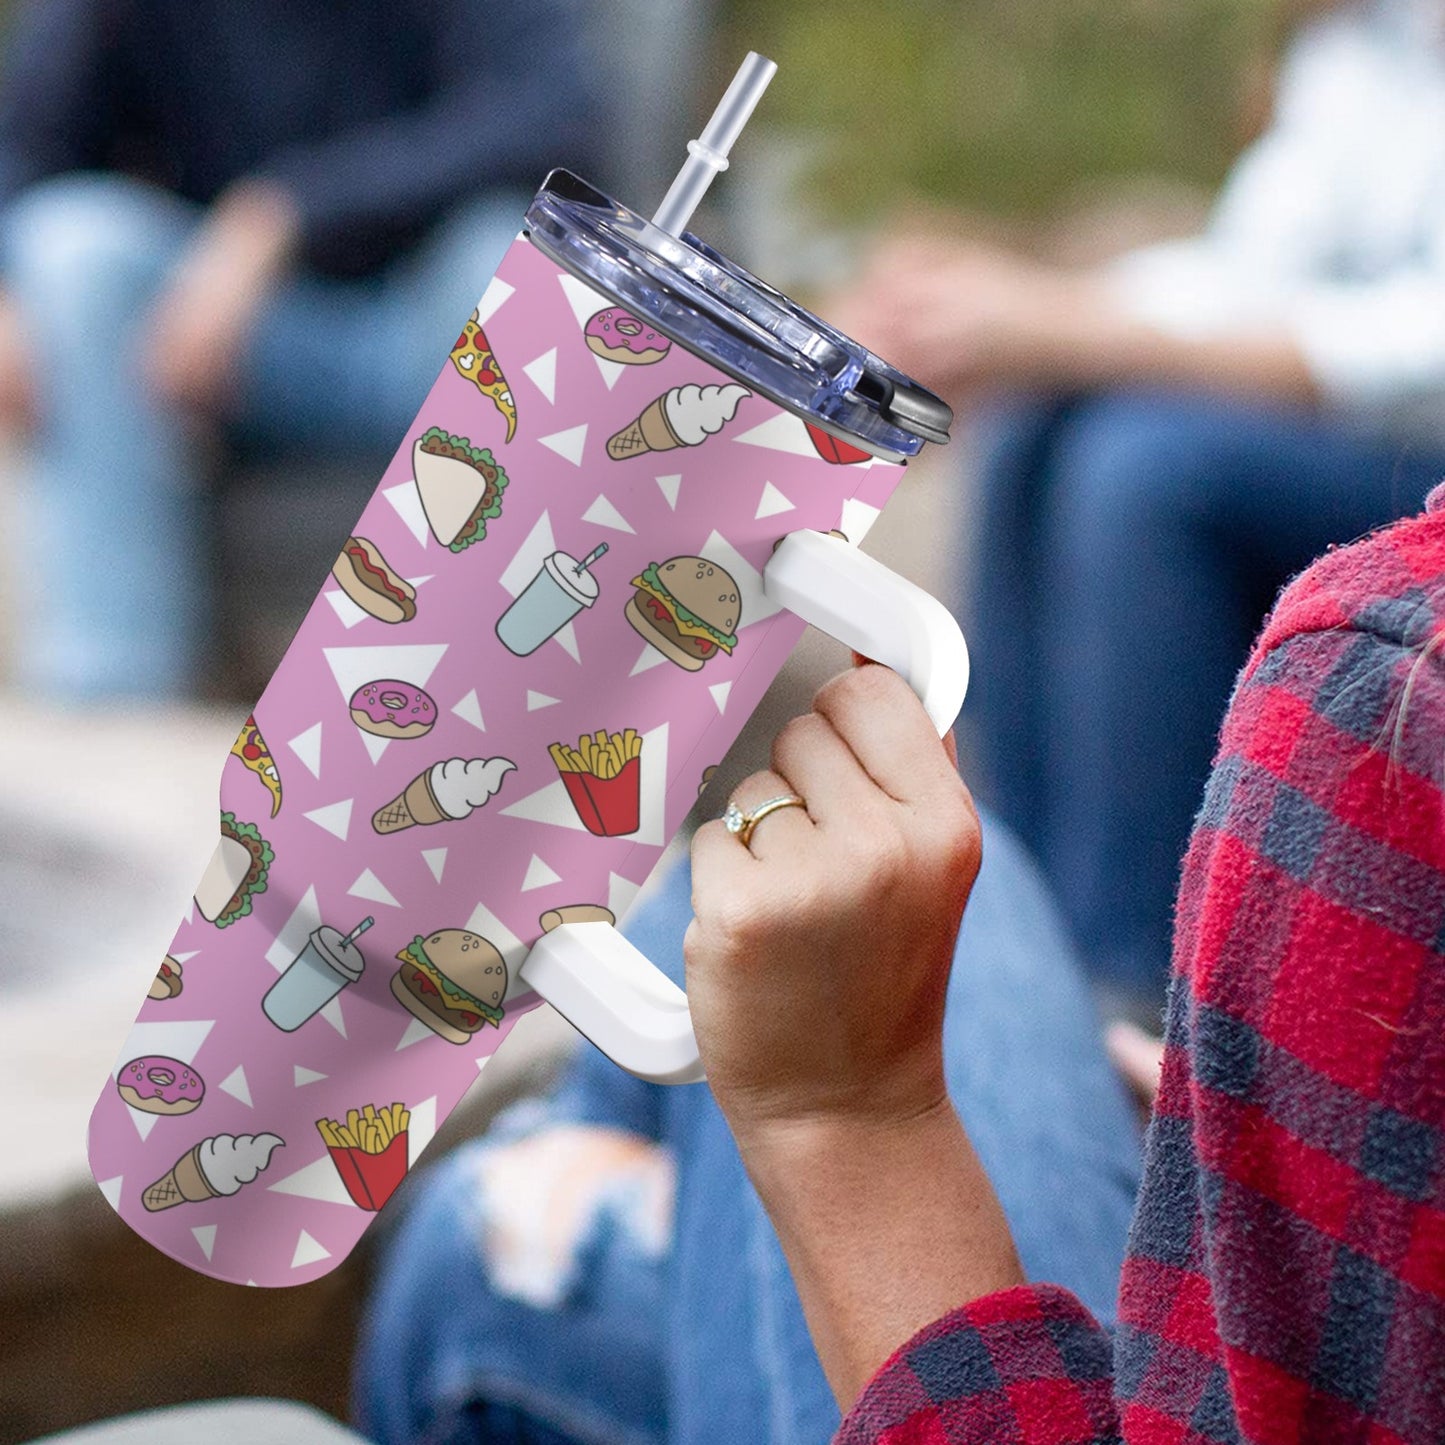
599, 1271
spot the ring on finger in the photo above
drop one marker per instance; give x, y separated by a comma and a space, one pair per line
741, 823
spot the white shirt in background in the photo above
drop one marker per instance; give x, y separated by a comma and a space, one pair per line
1332, 224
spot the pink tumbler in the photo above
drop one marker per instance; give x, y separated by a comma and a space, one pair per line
637, 476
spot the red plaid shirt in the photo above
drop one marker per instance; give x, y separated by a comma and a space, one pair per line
1285, 1282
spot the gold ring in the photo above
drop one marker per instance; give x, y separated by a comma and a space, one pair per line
742, 824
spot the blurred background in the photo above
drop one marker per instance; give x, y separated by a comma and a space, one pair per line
1067, 129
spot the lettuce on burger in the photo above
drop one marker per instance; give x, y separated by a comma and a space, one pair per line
688, 608
454, 981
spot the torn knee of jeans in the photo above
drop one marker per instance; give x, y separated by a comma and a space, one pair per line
543, 1202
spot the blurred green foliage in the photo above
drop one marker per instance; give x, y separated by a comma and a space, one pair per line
1010, 106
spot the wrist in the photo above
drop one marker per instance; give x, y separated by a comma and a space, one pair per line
887, 1225
840, 1139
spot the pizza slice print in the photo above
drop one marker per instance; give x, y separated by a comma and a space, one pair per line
472, 356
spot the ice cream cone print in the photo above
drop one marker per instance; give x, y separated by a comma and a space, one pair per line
446, 792
415, 805
686, 416
184, 1184
233, 1161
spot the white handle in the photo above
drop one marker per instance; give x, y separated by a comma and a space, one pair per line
856, 599
611, 993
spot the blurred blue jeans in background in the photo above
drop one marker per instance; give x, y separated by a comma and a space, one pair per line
1129, 545
116, 549
704, 1340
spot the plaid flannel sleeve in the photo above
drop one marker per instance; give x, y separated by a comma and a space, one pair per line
1027, 1366
1286, 1274
1307, 1032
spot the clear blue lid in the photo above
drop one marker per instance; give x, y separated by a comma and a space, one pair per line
694, 294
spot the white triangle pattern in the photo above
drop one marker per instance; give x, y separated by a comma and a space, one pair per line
567, 444
603, 514
651, 826
302, 1076
512, 949
353, 666
331, 1012
492, 298
771, 503
307, 747
566, 638
308, 1251
334, 817
620, 894
110, 1188
782, 432
305, 919
421, 1130
205, 1236
584, 301
375, 746
370, 887
610, 370
436, 860
548, 805
528, 558
470, 711
857, 518
670, 487
542, 373
536, 700
345, 609
406, 502
650, 658
416, 1031
757, 606
720, 691
539, 875
318, 1180
236, 1085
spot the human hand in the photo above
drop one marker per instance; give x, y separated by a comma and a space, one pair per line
203, 318
819, 956
18, 403
817, 966
963, 315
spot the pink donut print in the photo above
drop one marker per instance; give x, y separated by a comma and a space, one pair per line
392, 709
618, 335
158, 1085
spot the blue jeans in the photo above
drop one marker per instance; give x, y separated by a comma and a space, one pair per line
1129, 545
116, 515
705, 1342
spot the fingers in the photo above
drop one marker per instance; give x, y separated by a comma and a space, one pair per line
722, 855
782, 830
881, 720
824, 770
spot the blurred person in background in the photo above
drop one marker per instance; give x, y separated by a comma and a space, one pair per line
1166, 440
258, 222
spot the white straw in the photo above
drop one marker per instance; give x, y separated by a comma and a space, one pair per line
708, 155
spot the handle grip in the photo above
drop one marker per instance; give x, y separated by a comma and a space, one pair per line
608, 990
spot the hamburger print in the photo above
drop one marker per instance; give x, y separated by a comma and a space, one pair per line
454, 981
688, 608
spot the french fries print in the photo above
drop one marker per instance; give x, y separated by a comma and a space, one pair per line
603, 778
369, 1150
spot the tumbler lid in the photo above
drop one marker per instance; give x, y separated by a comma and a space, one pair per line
685, 289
